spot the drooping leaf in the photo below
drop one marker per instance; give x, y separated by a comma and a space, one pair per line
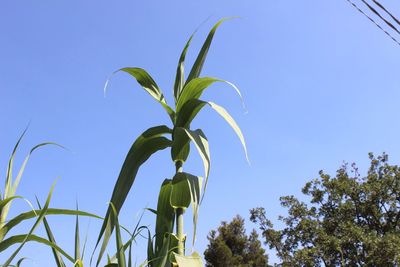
192, 107
34, 213
201, 143
198, 64
151, 87
145, 145
195, 185
195, 88
193, 260
19, 239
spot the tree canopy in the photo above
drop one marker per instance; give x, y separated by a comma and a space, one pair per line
350, 221
232, 247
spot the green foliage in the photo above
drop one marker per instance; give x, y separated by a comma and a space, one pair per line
232, 247
350, 220
184, 189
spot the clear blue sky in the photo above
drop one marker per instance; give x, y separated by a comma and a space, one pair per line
320, 82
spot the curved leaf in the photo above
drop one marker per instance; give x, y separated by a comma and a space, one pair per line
11, 186
201, 143
35, 225
31, 214
17, 239
193, 106
145, 145
151, 87
196, 87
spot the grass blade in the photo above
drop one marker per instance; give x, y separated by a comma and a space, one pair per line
34, 213
35, 225
57, 255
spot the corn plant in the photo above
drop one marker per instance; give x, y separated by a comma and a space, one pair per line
167, 247
9, 195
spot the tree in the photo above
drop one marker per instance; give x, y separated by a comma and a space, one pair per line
351, 220
232, 247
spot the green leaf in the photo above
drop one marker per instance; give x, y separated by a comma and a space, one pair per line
180, 193
77, 254
180, 73
195, 88
34, 213
195, 185
35, 225
57, 255
186, 189
119, 244
201, 143
10, 186
180, 146
165, 216
18, 239
198, 64
151, 87
228, 118
145, 145
192, 107
193, 260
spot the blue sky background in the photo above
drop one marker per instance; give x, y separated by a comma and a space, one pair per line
320, 83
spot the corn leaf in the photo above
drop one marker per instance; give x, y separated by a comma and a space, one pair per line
165, 216
151, 87
145, 145
180, 146
198, 64
193, 260
195, 185
195, 88
119, 244
180, 192
201, 143
180, 72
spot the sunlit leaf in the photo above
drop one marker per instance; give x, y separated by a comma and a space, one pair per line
193, 260
145, 145
201, 57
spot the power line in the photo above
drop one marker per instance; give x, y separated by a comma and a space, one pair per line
373, 21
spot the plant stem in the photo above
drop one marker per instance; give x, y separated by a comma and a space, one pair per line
179, 218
